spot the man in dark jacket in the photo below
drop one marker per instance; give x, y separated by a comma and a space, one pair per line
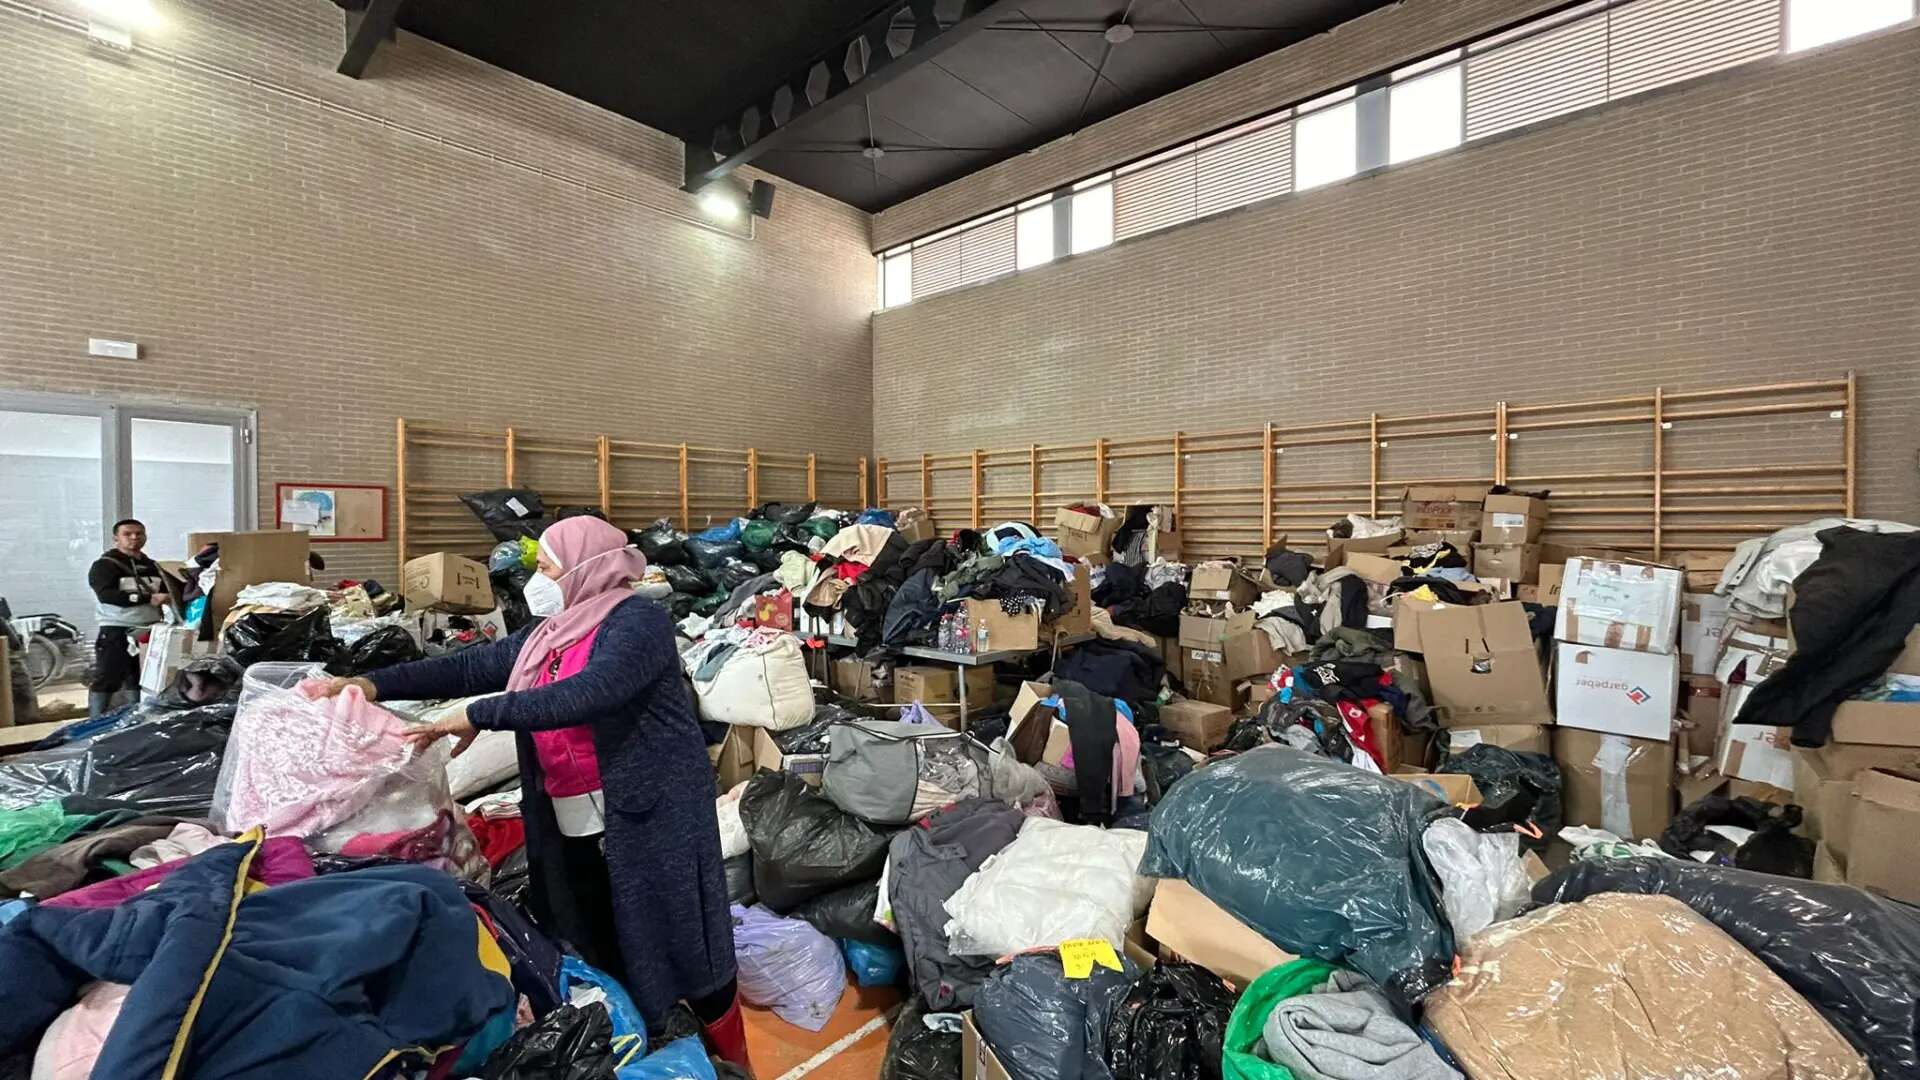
128, 593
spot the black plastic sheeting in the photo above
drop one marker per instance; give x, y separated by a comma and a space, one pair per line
803, 845
1772, 849
492, 508
281, 636
848, 913
569, 1043
1045, 1026
164, 762
1171, 1025
917, 1052
385, 647
1515, 787
1319, 857
662, 544
1853, 955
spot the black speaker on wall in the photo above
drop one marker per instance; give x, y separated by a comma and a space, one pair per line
760, 199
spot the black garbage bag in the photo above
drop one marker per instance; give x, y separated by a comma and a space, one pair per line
569, 1043
385, 647
816, 735
803, 845
739, 871
710, 603
1516, 787
565, 512
791, 538
509, 513
709, 554
661, 543
733, 573
509, 594
764, 562
164, 762
1045, 1026
1853, 955
1171, 1025
1157, 611
1163, 766
1288, 568
262, 636
513, 878
918, 1052
1772, 849
1319, 857
786, 513
847, 912
688, 579
680, 605
204, 681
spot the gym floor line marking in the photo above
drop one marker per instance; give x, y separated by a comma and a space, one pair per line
834, 1050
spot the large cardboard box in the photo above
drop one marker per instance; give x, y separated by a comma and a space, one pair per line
1613, 782
1703, 621
1204, 673
913, 524
1829, 866
1823, 784
1199, 725
1398, 749
1442, 506
1758, 753
1003, 631
1512, 519
1083, 535
442, 581
1210, 632
1376, 568
938, 684
1508, 562
1619, 605
1483, 665
1461, 539
1222, 581
977, 1059
732, 758
1700, 713
1250, 653
1339, 547
810, 768
1456, 789
1189, 925
1886, 818
1877, 723
250, 558
1078, 619
1616, 690
862, 680
1703, 568
1525, 738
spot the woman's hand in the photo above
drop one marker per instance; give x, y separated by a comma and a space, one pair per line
454, 723
326, 688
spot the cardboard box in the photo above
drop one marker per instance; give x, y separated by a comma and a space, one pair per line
1188, 925
169, 648
1016, 632
1829, 867
862, 680
1259, 692
442, 581
938, 684
1880, 847
1376, 568
1547, 592
1703, 621
732, 758
1442, 506
1139, 946
1461, 539
1848, 760
1877, 723
1823, 785
1035, 733
1613, 782
1512, 519
1222, 581
251, 558
1619, 605
1908, 662
1078, 619
1525, 738
1616, 690
1758, 753
1200, 725
1510, 562
1456, 789
913, 524
766, 755
1204, 673
1210, 632
1483, 666
1703, 568
1250, 654
1700, 714
977, 1060
1398, 749
1082, 535
1339, 548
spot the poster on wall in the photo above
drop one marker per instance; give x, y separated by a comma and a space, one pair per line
332, 512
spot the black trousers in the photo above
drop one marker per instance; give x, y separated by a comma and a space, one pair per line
114, 668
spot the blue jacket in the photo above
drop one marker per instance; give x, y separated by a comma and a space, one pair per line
331, 977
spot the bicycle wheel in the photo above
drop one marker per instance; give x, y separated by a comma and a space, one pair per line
45, 661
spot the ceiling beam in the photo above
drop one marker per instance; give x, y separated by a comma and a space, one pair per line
759, 126
366, 29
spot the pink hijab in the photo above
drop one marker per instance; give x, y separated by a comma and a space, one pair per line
597, 569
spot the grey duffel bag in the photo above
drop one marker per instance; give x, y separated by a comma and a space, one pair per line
892, 772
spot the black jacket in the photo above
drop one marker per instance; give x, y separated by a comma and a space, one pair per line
107, 578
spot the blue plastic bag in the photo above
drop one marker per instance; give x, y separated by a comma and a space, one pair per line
873, 965
629, 1030
722, 534
681, 1059
873, 515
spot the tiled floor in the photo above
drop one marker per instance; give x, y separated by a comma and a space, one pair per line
781, 1050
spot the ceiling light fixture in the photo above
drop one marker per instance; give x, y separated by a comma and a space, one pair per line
720, 205
125, 14
1118, 33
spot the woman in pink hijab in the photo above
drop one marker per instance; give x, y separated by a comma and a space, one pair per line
617, 790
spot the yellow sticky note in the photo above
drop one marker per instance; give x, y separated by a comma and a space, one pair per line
1077, 957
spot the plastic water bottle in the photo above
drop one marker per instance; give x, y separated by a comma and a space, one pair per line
965, 636
946, 633
982, 644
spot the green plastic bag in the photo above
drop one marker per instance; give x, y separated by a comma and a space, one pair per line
26, 833
823, 527
757, 535
1240, 1057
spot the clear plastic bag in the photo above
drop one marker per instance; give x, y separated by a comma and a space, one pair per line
164, 762
337, 773
1056, 882
1481, 879
787, 966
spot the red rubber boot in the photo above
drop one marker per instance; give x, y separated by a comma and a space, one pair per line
728, 1037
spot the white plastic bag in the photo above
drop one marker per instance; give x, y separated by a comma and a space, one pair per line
764, 687
1056, 882
1482, 881
733, 834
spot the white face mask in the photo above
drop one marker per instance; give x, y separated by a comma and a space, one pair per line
544, 597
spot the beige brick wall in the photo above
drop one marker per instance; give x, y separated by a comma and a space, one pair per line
1757, 226
441, 240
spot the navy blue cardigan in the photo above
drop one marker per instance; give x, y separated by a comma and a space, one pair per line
663, 837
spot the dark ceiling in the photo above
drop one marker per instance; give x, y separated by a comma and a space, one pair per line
1042, 69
